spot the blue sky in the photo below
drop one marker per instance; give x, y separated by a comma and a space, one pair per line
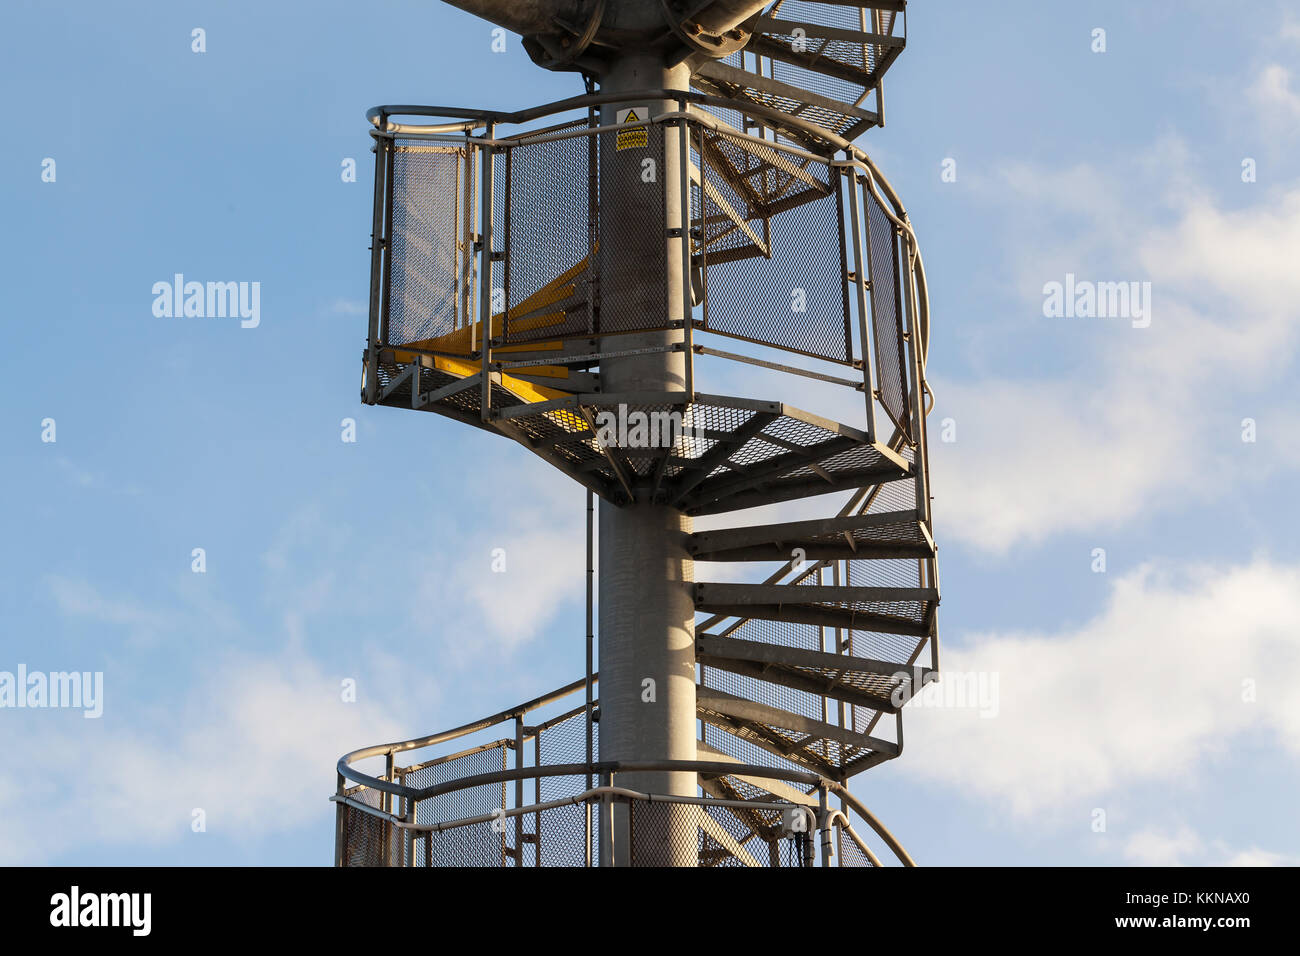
1120, 691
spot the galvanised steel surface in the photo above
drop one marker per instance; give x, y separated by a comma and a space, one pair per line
555, 276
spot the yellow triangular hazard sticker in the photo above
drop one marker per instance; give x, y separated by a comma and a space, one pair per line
631, 117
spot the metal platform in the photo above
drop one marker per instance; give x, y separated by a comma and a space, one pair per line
704, 456
540, 796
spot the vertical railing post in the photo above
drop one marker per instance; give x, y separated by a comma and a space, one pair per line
586, 844
466, 272
378, 253
683, 184
537, 797
591, 635
386, 805
823, 826
386, 279
409, 817
340, 833
912, 338
860, 267
488, 207
606, 822
519, 790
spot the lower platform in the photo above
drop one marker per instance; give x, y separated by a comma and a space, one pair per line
703, 454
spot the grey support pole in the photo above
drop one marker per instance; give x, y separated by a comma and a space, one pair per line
647, 610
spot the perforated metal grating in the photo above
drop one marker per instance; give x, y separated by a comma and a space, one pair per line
426, 248
773, 462
771, 248
459, 804
548, 233
368, 840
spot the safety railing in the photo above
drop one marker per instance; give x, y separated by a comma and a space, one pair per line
488, 255
470, 807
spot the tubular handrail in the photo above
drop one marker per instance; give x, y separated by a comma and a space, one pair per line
609, 768
345, 768
585, 797
588, 100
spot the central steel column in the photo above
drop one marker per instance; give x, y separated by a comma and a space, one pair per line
647, 609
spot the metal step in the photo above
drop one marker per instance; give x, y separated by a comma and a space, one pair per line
831, 750
893, 534
822, 62
880, 685
888, 610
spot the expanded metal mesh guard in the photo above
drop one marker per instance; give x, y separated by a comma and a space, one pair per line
367, 840
769, 246
429, 259
464, 803
550, 225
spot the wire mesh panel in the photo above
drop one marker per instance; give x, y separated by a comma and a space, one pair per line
368, 840
850, 853
427, 285
548, 216
565, 742
464, 803
887, 314
769, 245
562, 833
474, 844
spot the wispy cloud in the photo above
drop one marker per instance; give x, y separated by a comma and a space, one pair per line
1182, 664
1117, 431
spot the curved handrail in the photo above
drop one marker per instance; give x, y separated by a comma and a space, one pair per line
588, 100
606, 770
383, 750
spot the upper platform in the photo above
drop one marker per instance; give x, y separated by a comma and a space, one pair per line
806, 262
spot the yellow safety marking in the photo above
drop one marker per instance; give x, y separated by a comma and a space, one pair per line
557, 290
530, 347
517, 386
631, 138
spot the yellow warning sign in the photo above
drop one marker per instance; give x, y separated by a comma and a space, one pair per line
637, 138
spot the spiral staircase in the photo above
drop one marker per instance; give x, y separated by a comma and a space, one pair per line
804, 667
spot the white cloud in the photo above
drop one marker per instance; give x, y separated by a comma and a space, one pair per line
1149, 690
1182, 846
536, 516
254, 746
1119, 429
1162, 848
1272, 95
80, 598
